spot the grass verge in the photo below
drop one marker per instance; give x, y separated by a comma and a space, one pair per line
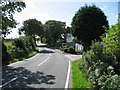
79, 79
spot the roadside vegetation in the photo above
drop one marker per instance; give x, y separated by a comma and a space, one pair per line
18, 49
101, 59
79, 77
100, 66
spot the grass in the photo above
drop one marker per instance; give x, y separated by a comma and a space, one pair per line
79, 79
31, 54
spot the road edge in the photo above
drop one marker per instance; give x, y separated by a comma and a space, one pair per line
68, 75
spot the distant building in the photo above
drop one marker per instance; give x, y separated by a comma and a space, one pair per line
69, 40
38, 39
78, 47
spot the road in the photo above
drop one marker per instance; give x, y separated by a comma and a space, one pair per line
50, 68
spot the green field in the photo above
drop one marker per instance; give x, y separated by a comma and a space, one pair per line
78, 76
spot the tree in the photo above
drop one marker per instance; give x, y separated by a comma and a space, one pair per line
32, 27
87, 24
112, 43
8, 9
53, 30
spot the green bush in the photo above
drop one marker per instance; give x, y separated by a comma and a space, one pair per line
6, 57
29, 42
22, 47
102, 61
19, 43
44, 40
71, 49
65, 49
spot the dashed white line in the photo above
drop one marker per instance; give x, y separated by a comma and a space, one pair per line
68, 75
43, 61
8, 82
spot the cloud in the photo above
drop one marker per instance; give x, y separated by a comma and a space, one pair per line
43, 16
13, 34
29, 3
105, 7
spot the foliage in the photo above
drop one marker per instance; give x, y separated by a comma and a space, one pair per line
44, 40
102, 61
65, 49
5, 55
59, 43
8, 9
20, 48
113, 43
32, 27
87, 24
19, 43
71, 50
53, 30
24, 46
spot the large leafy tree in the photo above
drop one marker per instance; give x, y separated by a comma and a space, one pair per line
32, 27
53, 30
87, 24
8, 9
7, 21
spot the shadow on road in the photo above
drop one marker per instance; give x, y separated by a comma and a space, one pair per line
46, 51
24, 78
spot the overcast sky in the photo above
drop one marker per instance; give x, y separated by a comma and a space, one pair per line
62, 10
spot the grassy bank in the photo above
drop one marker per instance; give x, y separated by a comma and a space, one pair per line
28, 56
78, 76
9, 46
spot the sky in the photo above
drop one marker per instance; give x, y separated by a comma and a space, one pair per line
61, 10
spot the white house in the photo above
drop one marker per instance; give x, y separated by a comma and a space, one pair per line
78, 47
70, 42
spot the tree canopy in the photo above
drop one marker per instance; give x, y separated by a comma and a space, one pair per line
53, 30
32, 27
87, 24
8, 9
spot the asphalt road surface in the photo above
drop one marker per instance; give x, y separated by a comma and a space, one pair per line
50, 68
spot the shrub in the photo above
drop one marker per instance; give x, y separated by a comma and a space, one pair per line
71, 49
22, 47
19, 43
29, 42
102, 61
44, 40
65, 49
6, 57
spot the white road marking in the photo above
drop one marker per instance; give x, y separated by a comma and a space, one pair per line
43, 61
68, 75
8, 82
